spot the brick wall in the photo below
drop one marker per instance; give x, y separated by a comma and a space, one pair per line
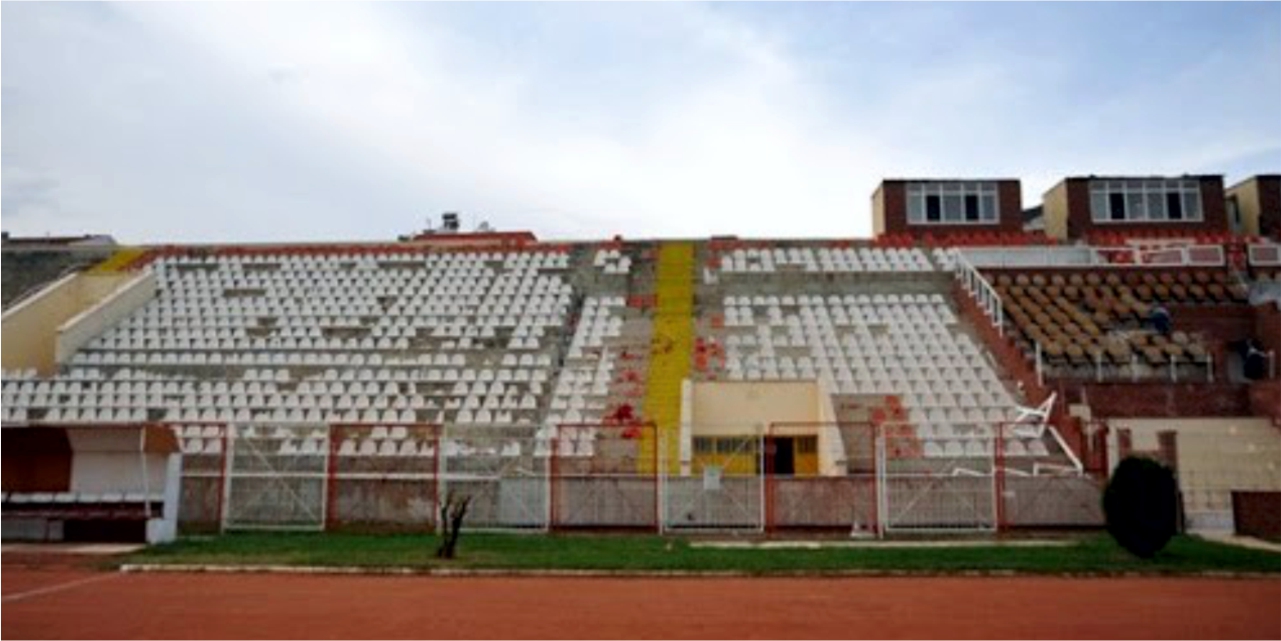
1257, 513
1267, 327
1265, 400
1214, 217
1130, 400
1270, 206
1009, 216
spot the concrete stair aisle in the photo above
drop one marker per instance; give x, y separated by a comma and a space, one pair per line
118, 261
670, 350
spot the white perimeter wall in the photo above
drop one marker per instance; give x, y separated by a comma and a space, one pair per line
108, 460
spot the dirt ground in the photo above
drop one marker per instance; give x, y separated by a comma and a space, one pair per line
68, 601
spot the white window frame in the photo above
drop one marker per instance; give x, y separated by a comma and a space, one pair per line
1137, 194
989, 203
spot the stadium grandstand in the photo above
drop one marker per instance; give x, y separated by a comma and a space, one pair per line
958, 372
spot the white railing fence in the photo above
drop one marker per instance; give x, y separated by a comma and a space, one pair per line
1087, 256
1264, 255
984, 294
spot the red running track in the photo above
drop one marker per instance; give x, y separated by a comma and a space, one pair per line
69, 603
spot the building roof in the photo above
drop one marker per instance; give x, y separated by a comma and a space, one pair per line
948, 180
1142, 177
1255, 178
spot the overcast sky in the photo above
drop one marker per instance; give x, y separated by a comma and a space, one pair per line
247, 121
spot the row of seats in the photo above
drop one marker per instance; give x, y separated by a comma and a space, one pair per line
612, 261
855, 360
517, 397
579, 446
457, 337
586, 388
1100, 319
425, 382
823, 259
67, 498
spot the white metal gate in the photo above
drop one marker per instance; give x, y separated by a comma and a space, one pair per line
723, 489
276, 477
503, 469
953, 489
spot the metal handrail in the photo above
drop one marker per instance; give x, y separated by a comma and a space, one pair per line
1264, 255
981, 290
1085, 257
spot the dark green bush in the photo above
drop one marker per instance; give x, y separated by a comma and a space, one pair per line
1141, 504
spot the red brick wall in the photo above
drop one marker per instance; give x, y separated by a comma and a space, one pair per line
1267, 327
36, 460
1009, 197
894, 197
1270, 206
1176, 400
1009, 218
1257, 513
1213, 209
1265, 400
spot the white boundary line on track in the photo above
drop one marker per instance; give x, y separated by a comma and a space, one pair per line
57, 587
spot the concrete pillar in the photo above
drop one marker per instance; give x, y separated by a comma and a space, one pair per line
1168, 448
1124, 444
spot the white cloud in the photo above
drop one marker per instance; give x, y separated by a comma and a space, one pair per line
250, 121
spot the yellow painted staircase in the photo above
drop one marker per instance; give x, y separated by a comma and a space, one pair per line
671, 347
118, 261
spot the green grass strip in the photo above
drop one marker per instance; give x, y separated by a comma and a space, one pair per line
1095, 553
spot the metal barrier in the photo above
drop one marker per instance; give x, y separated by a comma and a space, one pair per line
1264, 255
383, 476
861, 478
982, 291
721, 488
838, 493
1087, 257
503, 469
598, 479
204, 469
276, 477
948, 489
1050, 499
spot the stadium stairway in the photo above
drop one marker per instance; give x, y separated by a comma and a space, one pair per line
670, 349
119, 261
